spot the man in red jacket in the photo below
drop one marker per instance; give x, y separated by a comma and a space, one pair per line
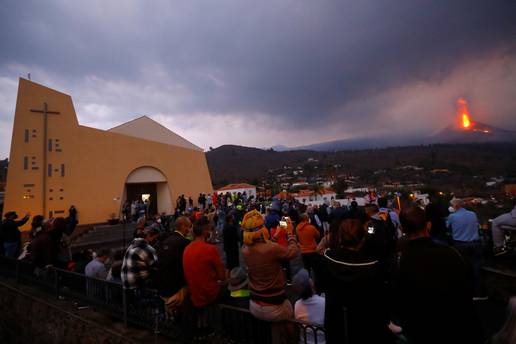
203, 266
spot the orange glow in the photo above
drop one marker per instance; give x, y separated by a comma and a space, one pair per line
465, 120
463, 112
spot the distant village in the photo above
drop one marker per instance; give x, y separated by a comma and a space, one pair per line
314, 184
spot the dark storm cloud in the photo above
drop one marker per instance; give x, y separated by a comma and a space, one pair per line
299, 61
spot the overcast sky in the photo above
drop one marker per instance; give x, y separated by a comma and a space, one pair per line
263, 73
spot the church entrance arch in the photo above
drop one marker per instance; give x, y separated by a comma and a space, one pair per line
148, 184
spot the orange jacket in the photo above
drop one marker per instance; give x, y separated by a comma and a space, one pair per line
307, 235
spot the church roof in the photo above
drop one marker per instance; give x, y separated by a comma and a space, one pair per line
148, 129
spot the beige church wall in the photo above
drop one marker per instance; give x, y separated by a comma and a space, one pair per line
97, 163
104, 180
24, 190
146, 174
165, 204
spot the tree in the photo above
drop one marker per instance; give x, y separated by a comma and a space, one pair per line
317, 189
340, 187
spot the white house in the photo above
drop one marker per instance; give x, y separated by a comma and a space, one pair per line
249, 189
305, 196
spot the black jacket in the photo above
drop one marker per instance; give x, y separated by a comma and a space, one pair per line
433, 293
352, 281
170, 276
10, 231
231, 238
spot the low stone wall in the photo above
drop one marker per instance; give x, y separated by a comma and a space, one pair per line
26, 317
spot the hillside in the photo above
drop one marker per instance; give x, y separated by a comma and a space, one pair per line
231, 163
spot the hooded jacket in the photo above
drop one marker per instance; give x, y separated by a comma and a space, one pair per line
354, 291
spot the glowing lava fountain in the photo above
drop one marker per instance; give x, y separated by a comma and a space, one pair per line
463, 112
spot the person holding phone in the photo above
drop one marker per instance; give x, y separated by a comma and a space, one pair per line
264, 259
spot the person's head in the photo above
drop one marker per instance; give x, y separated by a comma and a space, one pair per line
303, 284
351, 234
276, 206
456, 203
37, 221
414, 221
254, 229
382, 202
354, 205
230, 219
103, 254
304, 217
202, 228
46, 226
139, 233
371, 209
183, 225
11, 215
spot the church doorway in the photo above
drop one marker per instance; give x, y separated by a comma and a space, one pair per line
148, 183
144, 192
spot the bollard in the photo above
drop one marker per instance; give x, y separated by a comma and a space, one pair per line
17, 271
56, 283
124, 305
345, 325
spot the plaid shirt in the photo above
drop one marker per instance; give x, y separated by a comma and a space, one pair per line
140, 258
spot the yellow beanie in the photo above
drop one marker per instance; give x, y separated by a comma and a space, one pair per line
252, 220
252, 224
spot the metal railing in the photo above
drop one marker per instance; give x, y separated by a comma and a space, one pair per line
146, 308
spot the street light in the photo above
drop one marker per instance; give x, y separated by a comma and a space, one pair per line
120, 217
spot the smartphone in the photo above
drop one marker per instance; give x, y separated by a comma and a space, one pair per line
283, 224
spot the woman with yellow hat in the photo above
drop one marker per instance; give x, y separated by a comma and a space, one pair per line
263, 258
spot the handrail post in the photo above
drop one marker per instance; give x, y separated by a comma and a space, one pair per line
17, 271
125, 311
345, 325
56, 282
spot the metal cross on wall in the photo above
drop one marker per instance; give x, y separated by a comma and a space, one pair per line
45, 113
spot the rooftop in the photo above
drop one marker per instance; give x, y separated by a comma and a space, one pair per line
237, 186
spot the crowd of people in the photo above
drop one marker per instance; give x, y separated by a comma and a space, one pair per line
373, 274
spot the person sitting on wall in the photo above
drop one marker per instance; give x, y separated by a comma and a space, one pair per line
43, 247
502, 223
203, 266
310, 307
11, 235
97, 267
139, 264
204, 274
263, 259
238, 287
170, 280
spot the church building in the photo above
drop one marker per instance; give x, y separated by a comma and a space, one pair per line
55, 162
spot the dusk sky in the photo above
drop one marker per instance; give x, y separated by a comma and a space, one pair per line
263, 73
